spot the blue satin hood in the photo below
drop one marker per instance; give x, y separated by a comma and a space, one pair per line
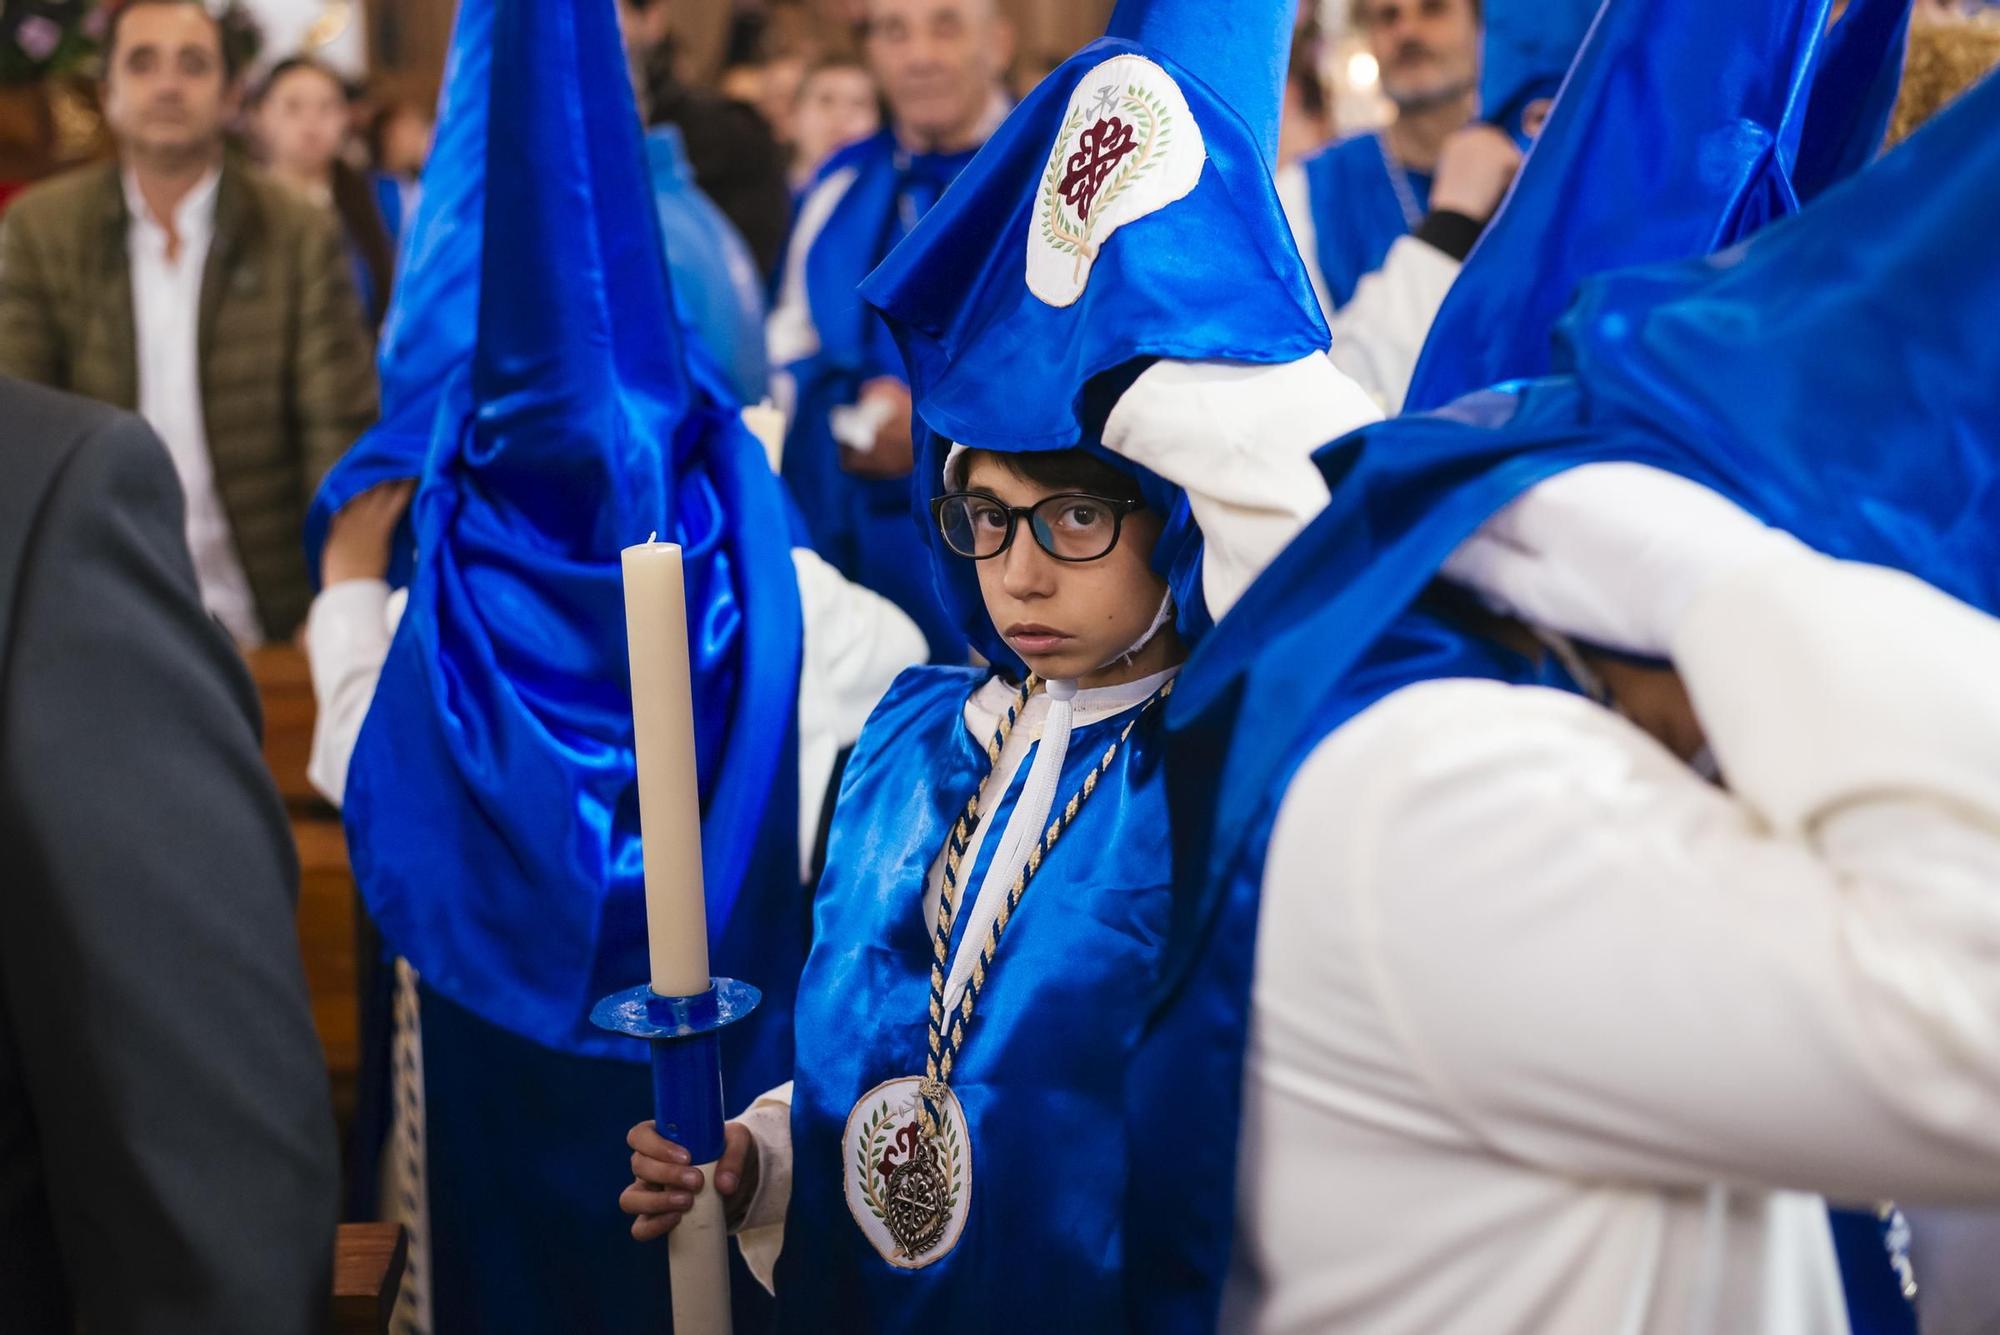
1736, 111
542, 392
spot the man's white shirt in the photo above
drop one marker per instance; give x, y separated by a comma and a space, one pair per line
166, 311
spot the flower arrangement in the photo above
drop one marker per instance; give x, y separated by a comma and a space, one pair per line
44, 38
48, 39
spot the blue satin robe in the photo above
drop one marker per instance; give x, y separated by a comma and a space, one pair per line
1356, 213
1068, 1071
862, 526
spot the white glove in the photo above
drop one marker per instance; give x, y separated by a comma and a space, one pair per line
1239, 439
1612, 553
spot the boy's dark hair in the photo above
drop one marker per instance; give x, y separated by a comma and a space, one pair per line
1073, 469
117, 21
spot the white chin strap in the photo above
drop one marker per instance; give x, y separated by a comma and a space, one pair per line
1030, 817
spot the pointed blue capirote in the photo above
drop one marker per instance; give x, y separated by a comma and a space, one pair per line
1675, 135
1238, 49
433, 315
490, 804
1213, 275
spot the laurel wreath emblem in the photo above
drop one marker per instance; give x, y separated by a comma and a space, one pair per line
876, 1133
1063, 228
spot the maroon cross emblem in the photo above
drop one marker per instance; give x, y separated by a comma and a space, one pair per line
1100, 150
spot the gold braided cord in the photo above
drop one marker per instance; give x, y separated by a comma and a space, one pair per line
961, 832
944, 1054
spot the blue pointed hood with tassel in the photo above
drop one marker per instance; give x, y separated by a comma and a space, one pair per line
1124, 211
543, 390
1675, 135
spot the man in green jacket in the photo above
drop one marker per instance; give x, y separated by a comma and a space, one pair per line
176, 282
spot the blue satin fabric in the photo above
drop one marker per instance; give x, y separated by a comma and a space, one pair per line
1854, 94
1356, 212
862, 525
1833, 376
1237, 52
491, 806
1046, 1080
1674, 136
1215, 276
1528, 48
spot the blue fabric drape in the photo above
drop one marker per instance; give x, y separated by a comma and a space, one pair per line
1833, 375
537, 382
1674, 137
1357, 212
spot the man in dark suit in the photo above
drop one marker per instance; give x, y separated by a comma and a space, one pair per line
167, 1158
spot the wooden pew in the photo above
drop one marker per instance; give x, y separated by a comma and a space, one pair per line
368, 1261
326, 885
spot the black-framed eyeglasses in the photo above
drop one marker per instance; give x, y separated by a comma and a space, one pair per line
1072, 526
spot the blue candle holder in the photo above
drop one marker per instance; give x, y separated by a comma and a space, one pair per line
686, 1034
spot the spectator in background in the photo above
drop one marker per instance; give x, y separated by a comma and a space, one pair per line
166, 1138
1349, 203
215, 302
838, 105
399, 143
735, 160
718, 289
299, 116
1306, 122
848, 448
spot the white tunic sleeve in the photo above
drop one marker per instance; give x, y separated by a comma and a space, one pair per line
856, 644
1239, 440
1531, 920
761, 1230
1379, 334
347, 641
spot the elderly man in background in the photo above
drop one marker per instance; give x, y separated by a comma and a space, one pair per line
177, 282
848, 450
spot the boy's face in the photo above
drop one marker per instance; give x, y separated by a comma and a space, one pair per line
1066, 620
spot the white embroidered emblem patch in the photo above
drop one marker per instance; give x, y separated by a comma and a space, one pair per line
1128, 147
909, 1193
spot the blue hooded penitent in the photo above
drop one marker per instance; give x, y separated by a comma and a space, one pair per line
538, 384
1676, 134
1834, 375
491, 800
1082, 239
1124, 211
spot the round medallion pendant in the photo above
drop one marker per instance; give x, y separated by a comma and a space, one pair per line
909, 1193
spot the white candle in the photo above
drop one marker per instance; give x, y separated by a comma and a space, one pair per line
669, 795
767, 424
